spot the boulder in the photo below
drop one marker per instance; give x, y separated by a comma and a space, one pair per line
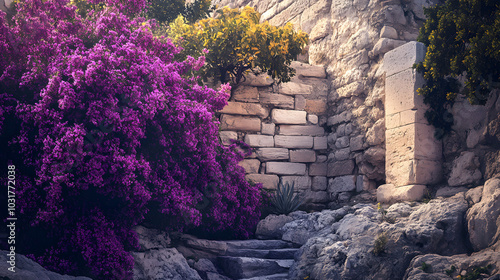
165, 263
151, 238
270, 227
465, 170
483, 218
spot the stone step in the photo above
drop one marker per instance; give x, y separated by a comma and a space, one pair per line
280, 276
258, 244
286, 253
244, 267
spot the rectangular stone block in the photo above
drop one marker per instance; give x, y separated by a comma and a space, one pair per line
388, 193
268, 128
413, 172
320, 143
285, 168
293, 142
342, 184
302, 156
280, 116
246, 94
316, 196
269, 182
261, 80
318, 169
250, 165
315, 106
403, 57
319, 183
339, 168
300, 102
413, 141
255, 140
278, 100
292, 88
227, 136
307, 70
300, 182
401, 92
242, 108
267, 154
229, 122
309, 130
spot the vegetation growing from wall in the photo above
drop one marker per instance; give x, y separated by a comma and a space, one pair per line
463, 42
236, 43
102, 127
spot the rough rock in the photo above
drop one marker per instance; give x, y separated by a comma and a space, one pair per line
165, 263
151, 238
465, 170
270, 227
483, 218
27, 269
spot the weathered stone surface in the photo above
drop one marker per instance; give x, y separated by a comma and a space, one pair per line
320, 143
280, 116
319, 183
414, 141
261, 80
340, 168
312, 119
340, 118
279, 100
246, 94
268, 128
364, 184
292, 88
151, 238
318, 169
474, 195
342, 154
229, 122
316, 106
269, 182
401, 92
450, 191
492, 162
285, 168
307, 70
412, 172
302, 156
299, 182
376, 134
315, 196
403, 58
242, 108
244, 267
352, 89
356, 143
293, 141
27, 269
342, 142
250, 165
342, 184
270, 227
388, 193
162, 263
384, 45
388, 32
465, 170
227, 136
300, 102
483, 218
255, 140
310, 130
267, 154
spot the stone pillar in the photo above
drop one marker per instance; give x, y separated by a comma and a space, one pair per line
413, 155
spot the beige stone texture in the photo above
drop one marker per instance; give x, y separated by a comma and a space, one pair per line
280, 116
268, 154
246, 94
229, 122
388, 193
403, 58
320, 143
278, 100
261, 80
302, 156
413, 172
401, 92
315, 106
309, 130
307, 70
413, 141
242, 108
300, 182
250, 165
269, 182
285, 168
293, 142
227, 136
268, 128
293, 88
255, 140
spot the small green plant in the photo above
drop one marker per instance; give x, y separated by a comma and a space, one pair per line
450, 271
285, 201
425, 267
380, 244
475, 273
383, 212
427, 197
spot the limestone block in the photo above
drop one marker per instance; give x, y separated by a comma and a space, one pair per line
316, 106
413, 141
320, 143
310, 130
268, 128
388, 193
267, 154
255, 140
300, 182
312, 119
250, 165
242, 108
321, 158
229, 122
261, 80
403, 57
412, 172
307, 70
278, 100
300, 102
342, 184
342, 142
401, 92
316, 197
246, 94
319, 183
404, 118
269, 182
342, 154
293, 88
302, 156
227, 136
339, 168
283, 141
384, 45
356, 143
318, 169
280, 116
285, 168
376, 133
388, 32
340, 118
352, 89
465, 170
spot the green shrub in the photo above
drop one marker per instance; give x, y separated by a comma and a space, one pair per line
380, 244
285, 201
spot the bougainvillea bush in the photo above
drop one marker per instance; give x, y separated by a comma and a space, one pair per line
105, 128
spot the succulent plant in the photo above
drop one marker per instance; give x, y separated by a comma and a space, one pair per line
285, 201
